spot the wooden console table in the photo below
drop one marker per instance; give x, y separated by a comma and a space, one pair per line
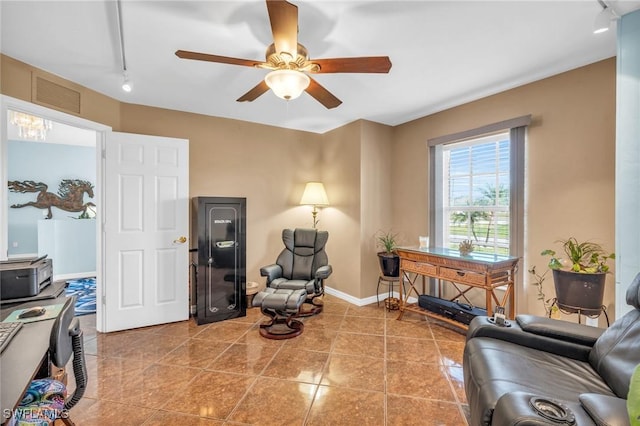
475, 270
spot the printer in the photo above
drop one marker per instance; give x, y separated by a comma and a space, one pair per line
24, 277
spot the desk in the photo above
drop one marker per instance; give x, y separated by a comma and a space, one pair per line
476, 270
21, 360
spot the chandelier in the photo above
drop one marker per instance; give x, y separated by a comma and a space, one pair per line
30, 126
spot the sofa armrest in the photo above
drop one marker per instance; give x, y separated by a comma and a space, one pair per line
323, 272
271, 272
557, 329
515, 409
481, 327
605, 410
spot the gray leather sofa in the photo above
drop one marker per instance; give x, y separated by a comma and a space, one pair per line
577, 373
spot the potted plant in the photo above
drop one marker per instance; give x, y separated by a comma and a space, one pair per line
550, 309
388, 258
579, 279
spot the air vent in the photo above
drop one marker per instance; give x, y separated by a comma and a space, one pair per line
48, 93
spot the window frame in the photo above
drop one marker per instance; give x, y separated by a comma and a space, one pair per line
517, 128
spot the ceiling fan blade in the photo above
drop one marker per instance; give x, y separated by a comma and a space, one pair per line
322, 95
185, 54
254, 93
284, 26
365, 64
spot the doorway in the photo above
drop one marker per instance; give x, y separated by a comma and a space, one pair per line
51, 180
88, 129
141, 231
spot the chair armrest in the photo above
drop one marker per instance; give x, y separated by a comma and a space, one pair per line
323, 272
481, 327
557, 329
604, 409
271, 272
515, 409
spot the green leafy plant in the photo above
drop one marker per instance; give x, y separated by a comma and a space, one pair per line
584, 257
633, 399
537, 281
387, 241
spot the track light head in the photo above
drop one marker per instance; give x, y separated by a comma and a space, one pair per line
127, 85
603, 21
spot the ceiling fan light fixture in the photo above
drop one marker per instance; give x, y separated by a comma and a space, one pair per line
287, 84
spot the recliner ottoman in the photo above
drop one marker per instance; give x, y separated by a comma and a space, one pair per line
282, 306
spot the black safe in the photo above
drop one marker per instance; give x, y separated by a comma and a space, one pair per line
221, 258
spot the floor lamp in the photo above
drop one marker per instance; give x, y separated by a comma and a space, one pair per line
314, 195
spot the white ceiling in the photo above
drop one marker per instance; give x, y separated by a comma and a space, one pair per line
444, 53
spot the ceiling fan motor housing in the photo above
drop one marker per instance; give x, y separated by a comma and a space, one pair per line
282, 60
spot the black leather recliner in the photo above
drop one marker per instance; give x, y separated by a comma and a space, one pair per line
303, 264
557, 366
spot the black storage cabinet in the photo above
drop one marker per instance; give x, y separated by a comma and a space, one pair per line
221, 262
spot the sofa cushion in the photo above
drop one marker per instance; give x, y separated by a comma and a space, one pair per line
495, 367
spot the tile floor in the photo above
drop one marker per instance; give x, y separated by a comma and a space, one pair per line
351, 366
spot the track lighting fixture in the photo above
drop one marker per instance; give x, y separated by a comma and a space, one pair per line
603, 20
127, 85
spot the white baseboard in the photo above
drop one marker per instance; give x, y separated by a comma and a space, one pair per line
362, 302
74, 276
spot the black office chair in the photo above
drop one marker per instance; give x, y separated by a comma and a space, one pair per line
47, 399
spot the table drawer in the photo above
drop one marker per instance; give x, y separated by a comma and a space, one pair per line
462, 276
418, 267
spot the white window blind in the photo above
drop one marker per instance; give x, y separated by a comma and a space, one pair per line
477, 187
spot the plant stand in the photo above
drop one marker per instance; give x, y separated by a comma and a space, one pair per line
580, 311
391, 303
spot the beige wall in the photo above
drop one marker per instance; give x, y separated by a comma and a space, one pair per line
267, 165
569, 169
570, 162
356, 169
375, 205
341, 175
15, 81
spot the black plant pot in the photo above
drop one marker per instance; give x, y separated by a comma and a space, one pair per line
389, 264
577, 292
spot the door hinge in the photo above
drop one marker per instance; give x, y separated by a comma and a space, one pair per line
104, 153
104, 300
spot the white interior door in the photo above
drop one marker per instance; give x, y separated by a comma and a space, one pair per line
146, 187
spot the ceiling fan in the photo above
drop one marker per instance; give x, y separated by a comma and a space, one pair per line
289, 61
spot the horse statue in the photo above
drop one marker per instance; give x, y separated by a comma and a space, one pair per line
70, 195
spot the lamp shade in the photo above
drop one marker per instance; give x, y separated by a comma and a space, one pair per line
314, 195
287, 84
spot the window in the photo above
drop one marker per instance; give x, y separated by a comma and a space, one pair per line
476, 193
477, 188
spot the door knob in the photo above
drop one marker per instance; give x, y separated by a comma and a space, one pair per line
180, 240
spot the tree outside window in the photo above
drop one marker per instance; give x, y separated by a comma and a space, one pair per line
476, 193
